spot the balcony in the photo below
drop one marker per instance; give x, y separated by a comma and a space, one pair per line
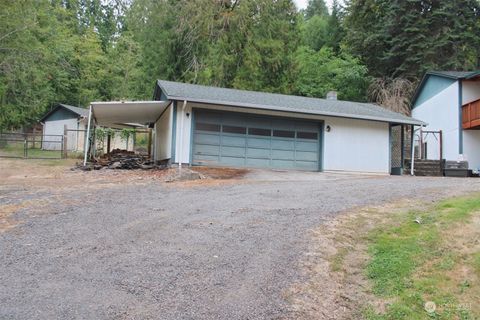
471, 115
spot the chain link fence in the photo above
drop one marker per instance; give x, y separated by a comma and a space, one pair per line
31, 146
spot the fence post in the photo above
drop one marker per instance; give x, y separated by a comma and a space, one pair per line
25, 146
65, 132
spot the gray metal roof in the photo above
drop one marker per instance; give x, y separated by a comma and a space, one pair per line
455, 74
80, 111
280, 102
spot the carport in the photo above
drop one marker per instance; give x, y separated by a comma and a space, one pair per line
122, 114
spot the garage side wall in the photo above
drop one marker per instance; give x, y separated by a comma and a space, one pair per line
183, 132
356, 145
163, 135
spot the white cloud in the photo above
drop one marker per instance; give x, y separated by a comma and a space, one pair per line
302, 4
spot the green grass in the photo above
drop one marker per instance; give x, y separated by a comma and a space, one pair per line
412, 263
17, 150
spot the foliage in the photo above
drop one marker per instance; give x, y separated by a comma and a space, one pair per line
406, 38
323, 71
393, 94
78, 51
412, 263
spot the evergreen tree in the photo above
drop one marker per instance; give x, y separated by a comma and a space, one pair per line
316, 8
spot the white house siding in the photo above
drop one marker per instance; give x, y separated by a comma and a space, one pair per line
53, 130
356, 145
163, 135
441, 113
351, 145
471, 148
470, 91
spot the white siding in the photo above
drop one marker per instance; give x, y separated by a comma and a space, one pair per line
53, 130
163, 135
182, 147
351, 145
356, 145
471, 148
441, 112
470, 91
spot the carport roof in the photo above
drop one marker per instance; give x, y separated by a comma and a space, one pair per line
280, 102
127, 114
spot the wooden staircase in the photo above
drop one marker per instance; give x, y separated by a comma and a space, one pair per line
425, 168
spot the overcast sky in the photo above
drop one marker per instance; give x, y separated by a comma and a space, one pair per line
302, 4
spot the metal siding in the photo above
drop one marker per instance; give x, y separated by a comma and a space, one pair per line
220, 148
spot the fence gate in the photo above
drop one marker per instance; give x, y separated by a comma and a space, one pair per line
31, 146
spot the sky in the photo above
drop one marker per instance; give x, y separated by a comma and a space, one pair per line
302, 4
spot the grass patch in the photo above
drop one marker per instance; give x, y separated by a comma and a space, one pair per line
435, 260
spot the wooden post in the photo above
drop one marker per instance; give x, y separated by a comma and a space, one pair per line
441, 145
109, 140
149, 142
34, 137
65, 132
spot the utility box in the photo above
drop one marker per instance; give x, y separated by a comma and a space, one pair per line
457, 169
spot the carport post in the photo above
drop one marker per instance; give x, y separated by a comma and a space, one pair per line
87, 139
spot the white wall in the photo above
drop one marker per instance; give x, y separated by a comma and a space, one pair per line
471, 148
357, 145
441, 112
182, 148
351, 145
163, 135
470, 91
53, 130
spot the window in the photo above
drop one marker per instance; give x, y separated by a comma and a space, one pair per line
307, 135
284, 133
259, 132
233, 129
208, 127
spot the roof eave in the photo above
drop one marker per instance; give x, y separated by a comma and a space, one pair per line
282, 109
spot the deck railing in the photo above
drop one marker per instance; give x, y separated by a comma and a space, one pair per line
471, 115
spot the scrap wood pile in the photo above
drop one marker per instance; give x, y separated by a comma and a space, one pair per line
123, 159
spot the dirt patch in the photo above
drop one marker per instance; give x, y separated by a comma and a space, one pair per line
221, 173
336, 286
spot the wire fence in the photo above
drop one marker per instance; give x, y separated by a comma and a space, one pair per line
31, 146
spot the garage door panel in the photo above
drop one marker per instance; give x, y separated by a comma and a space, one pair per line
283, 144
204, 149
258, 163
283, 154
234, 141
307, 146
283, 164
201, 138
258, 153
206, 159
233, 151
259, 143
308, 156
233, 161
307, 165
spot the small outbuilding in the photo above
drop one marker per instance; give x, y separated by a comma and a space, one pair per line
202, 125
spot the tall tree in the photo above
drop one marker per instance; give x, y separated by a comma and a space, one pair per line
316, 8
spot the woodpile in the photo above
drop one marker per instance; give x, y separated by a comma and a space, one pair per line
122, 159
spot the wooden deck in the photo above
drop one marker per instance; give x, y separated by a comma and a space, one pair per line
471, 115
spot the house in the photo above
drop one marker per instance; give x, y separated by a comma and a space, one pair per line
201, 125
449, 101
74, 119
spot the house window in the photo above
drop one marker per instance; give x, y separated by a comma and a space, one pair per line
259, 132
284, 133
233, 129
208, 127
307, 135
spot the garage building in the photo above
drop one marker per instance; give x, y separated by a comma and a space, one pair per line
202, 125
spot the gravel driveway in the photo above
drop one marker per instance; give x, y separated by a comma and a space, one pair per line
175, 251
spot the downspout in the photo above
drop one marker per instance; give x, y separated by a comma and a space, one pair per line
181, 135
87, 138
412, 139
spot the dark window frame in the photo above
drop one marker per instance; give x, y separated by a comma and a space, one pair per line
307, 135
234, 129
208, 127
283, 134
259, 132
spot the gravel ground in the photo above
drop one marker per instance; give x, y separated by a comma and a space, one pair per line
179, 251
